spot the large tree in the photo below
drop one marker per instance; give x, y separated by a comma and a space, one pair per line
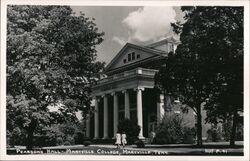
226, 100
211, 41
51, 61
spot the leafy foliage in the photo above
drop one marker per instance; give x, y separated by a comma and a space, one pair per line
204, 64
51, 61
214, 134
227, 130
86, 143
173, 130
15, 137
139, 144
59, 134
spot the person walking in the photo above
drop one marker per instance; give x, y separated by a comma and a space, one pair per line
118, 139
124, 140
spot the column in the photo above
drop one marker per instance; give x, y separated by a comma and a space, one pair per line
115, 113
96, 119
160, 108
139, 111
127, 104
105, 117
87, 125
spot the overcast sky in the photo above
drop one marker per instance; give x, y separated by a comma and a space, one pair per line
136, 24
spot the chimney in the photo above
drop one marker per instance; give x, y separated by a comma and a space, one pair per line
168, 44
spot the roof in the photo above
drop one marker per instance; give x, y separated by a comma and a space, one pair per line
143, 48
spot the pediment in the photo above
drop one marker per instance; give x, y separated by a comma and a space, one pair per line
130, 54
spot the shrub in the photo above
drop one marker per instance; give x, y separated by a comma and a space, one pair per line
214, 134
131, 129
188, 135
226, 126
70, 139
239, 132
86, 143
59, 134
15, 137
16, 133
139, 144
67, 143
170, 130
59, 141
79, 137
41, 141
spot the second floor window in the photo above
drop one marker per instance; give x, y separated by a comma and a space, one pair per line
129, 57
133, 55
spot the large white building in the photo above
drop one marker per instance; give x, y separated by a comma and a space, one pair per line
129, 91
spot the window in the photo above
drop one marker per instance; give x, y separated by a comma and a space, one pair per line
133, 55
138, 56
124, 60
129, 57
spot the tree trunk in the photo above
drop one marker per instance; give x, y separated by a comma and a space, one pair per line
30, 136
29, 141
233, 130
199, 126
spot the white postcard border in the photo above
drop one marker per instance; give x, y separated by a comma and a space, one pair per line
4, 4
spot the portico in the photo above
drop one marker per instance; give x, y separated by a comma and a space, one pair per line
128, 91
130, 85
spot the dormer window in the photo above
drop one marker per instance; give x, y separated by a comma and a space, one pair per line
129, 57
133, 55
124, 60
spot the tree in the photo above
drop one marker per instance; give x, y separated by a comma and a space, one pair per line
211, 38
51, 62
227, 98
225, 31
182, 77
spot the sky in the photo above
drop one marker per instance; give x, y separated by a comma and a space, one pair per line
135, 24
140, 25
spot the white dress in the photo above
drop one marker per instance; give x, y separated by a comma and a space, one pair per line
124, 141
118, 138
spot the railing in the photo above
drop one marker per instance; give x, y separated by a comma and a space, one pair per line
137, 71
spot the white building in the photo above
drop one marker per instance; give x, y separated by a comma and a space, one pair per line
128, 90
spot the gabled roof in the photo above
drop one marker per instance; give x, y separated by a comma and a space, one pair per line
129, 45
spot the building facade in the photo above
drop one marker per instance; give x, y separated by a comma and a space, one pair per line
128, 91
